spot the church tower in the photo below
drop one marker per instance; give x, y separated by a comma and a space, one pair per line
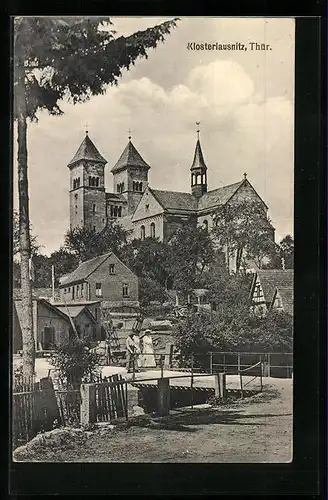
130, 176
198, 171
87, 187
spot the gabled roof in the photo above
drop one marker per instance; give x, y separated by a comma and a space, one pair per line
87, 151
129, 158
84, 270
74, 310
287, 297
271, 279
174, 200
199, 161
218, 196
46, 304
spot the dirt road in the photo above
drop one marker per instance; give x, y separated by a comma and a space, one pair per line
259, 430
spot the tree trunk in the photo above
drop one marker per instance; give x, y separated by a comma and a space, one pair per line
239, 255
24, 230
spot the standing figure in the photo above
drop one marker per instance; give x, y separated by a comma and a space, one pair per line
132, 353
147, 354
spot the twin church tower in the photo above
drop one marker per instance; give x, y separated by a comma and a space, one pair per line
92, 206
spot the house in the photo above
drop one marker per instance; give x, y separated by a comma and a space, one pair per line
107, 280
141, 209
283, 300
51, 327
264, 285
103, 278
86, 322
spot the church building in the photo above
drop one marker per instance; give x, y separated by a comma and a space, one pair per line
145, 211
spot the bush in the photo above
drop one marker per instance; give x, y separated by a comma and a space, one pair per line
75, 363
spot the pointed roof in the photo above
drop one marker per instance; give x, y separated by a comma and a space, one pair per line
129, 158
271, 279
199, 161
87, 151
84, 270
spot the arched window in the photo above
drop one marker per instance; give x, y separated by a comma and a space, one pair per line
115, 211
97, 181
122, 187
90, 180
120, 211
134, 186
140, 185
205, 224
94, 208
152, 230
111, 211
142, 232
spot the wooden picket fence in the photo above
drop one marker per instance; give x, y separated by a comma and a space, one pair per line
110, 399
34, 410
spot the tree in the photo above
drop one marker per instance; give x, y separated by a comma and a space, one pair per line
16, 247
85, 243
72, 58
287, 251
243, 229
191, 252
64, 263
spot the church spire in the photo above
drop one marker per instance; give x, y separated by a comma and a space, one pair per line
198, 170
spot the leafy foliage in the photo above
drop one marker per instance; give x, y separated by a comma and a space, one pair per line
75, 362
75, 57
285, 250
245, 228
191, 251
84, 243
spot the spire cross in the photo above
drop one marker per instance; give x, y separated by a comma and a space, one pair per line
86, 128
198, 123
129, 132
245, 175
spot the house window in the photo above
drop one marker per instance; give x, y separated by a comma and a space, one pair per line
119, 211
125, 290
94, 208
111, 211
142, 232
77, 290
98, 290
205, 224
152, 230
69, 290
94, 228
111, 268
97, 181
82, 288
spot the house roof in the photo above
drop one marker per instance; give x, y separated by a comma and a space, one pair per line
174, 200
130, 158
46, 304
199, 161
84, 270
77, 303
87, 151
218, 196
287, 296
73, 311
271, 279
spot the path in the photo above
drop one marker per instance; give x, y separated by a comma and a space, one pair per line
258, 431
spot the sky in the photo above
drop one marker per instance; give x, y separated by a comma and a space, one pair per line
244, 101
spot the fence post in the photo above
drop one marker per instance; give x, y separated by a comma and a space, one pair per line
261, 373
241, 385
88, 404
163, 396
238, 362
269, 365
211, 363
161, 365
168, 355
220, 385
